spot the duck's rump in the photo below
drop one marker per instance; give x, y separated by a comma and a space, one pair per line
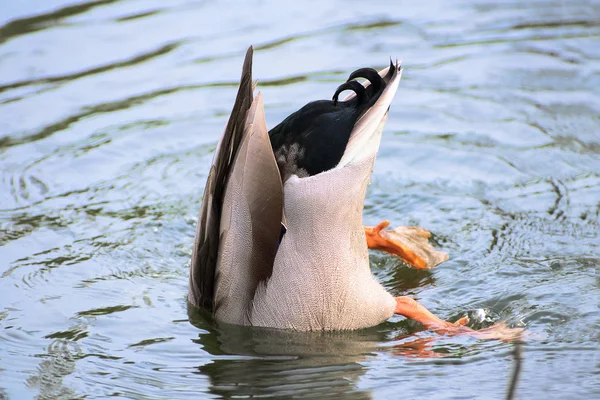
239, 228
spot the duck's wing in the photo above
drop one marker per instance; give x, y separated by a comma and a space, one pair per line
240, 219
250, 221
206, 244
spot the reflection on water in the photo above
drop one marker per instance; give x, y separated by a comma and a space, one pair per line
253, 361
273, 362
110, 111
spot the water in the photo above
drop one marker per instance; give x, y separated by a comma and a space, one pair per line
109, 114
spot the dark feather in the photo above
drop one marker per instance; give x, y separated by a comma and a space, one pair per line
206, 245
314, 138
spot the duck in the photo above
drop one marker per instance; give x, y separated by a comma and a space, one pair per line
280, 241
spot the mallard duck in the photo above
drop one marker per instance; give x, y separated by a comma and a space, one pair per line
280, 240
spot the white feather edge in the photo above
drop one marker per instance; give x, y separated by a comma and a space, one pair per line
366, 135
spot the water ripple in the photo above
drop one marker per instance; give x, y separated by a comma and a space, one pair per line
110, 112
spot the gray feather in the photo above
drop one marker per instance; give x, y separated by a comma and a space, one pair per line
206, 245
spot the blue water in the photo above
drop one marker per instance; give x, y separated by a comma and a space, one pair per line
110, 111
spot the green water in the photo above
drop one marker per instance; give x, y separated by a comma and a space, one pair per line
109, 114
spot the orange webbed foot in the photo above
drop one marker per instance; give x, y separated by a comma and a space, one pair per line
410, 243
410, 308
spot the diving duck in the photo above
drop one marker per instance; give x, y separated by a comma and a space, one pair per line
280, 240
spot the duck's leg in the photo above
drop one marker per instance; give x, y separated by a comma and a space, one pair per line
407, 242
411, 244
409, 308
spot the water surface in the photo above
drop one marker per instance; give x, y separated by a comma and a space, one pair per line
110, 112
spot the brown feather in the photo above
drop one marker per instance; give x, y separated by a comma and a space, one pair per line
206, 245
250, 222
